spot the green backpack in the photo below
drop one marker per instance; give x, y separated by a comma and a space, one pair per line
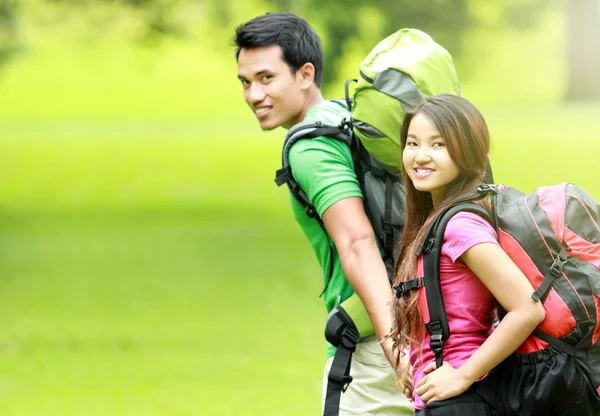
401, 70
398, 73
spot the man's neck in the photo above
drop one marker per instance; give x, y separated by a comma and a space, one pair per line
314, 97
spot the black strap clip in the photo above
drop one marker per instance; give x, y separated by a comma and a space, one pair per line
429, 245
436, 335
407, 286
436, 343
344, 380
283, 175
311, 212
346, 124
485, 188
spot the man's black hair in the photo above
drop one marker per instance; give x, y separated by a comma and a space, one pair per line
298, 40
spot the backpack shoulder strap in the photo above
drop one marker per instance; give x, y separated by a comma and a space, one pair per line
431, 248
306, 130
301, 131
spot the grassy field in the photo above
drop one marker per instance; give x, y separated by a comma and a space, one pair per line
155, 269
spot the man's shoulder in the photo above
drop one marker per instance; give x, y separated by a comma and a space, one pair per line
327, 112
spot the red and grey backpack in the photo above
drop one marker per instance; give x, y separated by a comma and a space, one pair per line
553, 236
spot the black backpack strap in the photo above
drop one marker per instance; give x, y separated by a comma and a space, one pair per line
489, 175
431, 248
341, 332
301, 131
304, 130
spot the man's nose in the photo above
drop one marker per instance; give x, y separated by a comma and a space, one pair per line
255, 93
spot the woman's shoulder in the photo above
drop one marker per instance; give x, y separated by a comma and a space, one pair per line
468, 222
465, 230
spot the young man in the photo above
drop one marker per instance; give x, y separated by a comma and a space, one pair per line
280, 63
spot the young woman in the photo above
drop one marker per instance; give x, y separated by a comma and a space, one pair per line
445, 146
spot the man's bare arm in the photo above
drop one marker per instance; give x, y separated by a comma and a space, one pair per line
355, 241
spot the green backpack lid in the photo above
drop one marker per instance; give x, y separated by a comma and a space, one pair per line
399, 72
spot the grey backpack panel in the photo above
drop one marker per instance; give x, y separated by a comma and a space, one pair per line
383, 190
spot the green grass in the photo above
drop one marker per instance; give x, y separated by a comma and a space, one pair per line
155, 268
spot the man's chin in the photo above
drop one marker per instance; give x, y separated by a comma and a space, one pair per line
268, 126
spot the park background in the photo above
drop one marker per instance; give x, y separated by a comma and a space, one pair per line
148, 263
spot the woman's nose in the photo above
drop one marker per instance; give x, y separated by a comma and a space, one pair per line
423, 155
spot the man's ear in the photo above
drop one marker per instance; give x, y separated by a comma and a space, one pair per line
306, 75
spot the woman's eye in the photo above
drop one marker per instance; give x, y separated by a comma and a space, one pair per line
438, 144
266, 78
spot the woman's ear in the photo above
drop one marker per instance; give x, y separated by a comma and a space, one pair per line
306, 75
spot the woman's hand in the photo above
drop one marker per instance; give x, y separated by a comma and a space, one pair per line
442, 383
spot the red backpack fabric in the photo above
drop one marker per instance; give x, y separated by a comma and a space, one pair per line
553, 236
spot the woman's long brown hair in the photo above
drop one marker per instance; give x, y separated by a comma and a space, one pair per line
467, 139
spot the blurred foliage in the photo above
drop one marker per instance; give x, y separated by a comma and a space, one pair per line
583, 39
447, 19
9, 32
471, 30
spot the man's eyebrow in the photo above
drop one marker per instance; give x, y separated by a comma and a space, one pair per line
259, 73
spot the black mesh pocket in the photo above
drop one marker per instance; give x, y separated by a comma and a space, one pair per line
467, 404
544, 383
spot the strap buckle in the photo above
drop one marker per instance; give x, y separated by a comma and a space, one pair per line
350, 338
429, 245
559, 263
346, 124
485, 188
407, 286
436, 343
311, 212
344, 380
283, 175
436, 334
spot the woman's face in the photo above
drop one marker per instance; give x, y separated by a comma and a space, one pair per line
426, 159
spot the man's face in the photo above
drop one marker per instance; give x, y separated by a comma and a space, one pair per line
272, 91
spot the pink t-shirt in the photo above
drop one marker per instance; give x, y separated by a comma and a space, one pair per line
469, 304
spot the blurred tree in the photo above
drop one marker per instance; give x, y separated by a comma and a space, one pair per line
160, 16
341, 21
583, 49
582, 23
9, 33
345, 24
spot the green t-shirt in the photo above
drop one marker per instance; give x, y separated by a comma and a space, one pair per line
324, 169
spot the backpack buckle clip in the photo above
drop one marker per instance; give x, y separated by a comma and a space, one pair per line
486, 188
558, 265
311, 212
346, 124
429, 245
436, 343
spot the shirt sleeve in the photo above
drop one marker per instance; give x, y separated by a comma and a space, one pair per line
324, 170
464, 231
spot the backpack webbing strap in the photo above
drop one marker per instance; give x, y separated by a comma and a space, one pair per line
557, 343
341, 332
489, 175
388, 238
308, 130
438, 327
555, 271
